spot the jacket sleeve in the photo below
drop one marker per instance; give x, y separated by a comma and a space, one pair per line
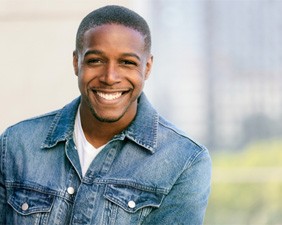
2, 185
187, 201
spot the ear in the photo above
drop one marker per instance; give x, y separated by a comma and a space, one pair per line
75, 62
149, 65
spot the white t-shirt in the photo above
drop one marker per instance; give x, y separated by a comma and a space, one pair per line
86, 151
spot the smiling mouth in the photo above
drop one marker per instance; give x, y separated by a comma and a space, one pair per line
109, 96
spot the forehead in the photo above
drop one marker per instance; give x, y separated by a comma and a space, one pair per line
113, 36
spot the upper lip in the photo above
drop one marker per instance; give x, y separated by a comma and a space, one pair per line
110, 91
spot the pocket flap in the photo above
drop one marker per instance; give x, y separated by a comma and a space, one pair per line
27, 201
132, 199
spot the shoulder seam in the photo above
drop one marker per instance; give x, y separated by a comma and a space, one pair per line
182, 134
36, 117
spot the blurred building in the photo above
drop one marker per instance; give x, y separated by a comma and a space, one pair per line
221, 63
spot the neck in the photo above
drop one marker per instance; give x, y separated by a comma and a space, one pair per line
99, 133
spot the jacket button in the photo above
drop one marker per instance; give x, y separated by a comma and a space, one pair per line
70, 190
25, 206
131, 204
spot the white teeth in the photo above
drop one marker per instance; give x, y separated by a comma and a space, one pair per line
109, 96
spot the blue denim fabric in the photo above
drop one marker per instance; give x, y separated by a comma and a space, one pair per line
151, 173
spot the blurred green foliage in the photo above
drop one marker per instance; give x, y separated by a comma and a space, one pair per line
247, 186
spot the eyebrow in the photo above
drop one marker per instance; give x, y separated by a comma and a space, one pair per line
132, 55
95, 52
98, 52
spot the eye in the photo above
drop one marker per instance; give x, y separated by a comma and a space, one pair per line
128, 62
94, 61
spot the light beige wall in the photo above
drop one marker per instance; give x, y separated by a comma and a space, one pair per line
36, 41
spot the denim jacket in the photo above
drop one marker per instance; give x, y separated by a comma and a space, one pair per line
151, 173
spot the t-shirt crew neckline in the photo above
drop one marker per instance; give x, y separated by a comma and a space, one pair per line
86, 151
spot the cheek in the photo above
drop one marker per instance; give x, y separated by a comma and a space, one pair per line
82, 81
80, 84
140, 81
85, 76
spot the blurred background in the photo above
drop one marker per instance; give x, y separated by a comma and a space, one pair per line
217, 75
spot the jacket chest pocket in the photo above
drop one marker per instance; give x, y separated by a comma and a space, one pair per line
32, 206
130, 204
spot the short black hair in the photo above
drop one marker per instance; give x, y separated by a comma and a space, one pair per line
113, 14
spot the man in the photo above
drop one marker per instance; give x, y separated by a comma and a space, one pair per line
107, 157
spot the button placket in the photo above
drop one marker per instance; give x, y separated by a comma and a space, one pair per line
70, 190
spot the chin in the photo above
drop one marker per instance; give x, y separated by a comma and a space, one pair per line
107, 119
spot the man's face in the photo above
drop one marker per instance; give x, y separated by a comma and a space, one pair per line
112, 67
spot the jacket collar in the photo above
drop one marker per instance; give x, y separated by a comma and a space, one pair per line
142, 130
62, 125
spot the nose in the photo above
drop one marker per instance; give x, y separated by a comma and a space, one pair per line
110, 75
